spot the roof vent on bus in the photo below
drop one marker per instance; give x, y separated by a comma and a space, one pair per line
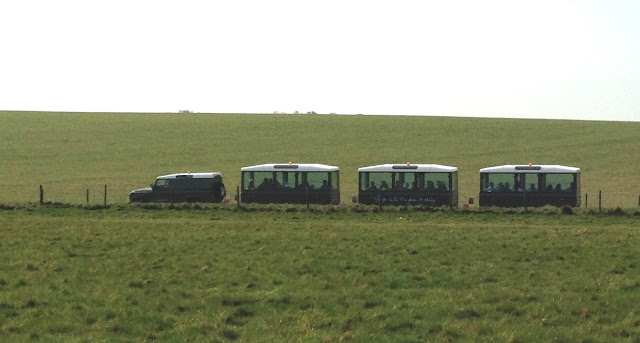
401, 166
286, 166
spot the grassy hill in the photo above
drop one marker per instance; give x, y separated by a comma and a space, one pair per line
70, 152
214, 273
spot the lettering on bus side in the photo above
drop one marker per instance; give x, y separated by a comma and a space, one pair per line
418, 200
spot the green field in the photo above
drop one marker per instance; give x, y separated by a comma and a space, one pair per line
327, 275
71, 272
69, 153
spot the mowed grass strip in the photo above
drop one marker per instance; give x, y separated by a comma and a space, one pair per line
130, 274
69, 153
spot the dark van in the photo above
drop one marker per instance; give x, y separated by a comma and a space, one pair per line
188, 187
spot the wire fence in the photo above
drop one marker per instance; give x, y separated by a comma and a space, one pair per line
104, 194
600, 200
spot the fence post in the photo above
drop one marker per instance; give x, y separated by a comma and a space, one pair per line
105, 195
600, 201
87, 195
450, 197
306, 195
41, 195
638, 200
586, 200
238, 195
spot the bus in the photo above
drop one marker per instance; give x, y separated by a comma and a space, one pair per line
304, 183
530, 185
408, 184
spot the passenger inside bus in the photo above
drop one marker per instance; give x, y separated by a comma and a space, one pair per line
441, 186
491, 187
384, 186
264, 185
430, 186
303, 185
277, 185
372, 187
325, 186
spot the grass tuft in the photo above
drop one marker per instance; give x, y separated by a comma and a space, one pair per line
237, 302
397, 327
230, 335
7, 207
616, 211
136, 284
468, 314
566, 210
61, 330
370, 304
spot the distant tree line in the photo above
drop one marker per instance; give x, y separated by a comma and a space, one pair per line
296, 112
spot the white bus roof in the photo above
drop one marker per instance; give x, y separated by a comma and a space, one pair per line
301, 167
208, 175
409, 168
536, 169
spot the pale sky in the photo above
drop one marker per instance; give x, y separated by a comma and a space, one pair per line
527, 59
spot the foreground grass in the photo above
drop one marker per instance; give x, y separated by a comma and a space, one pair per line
69, 153
134, 274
